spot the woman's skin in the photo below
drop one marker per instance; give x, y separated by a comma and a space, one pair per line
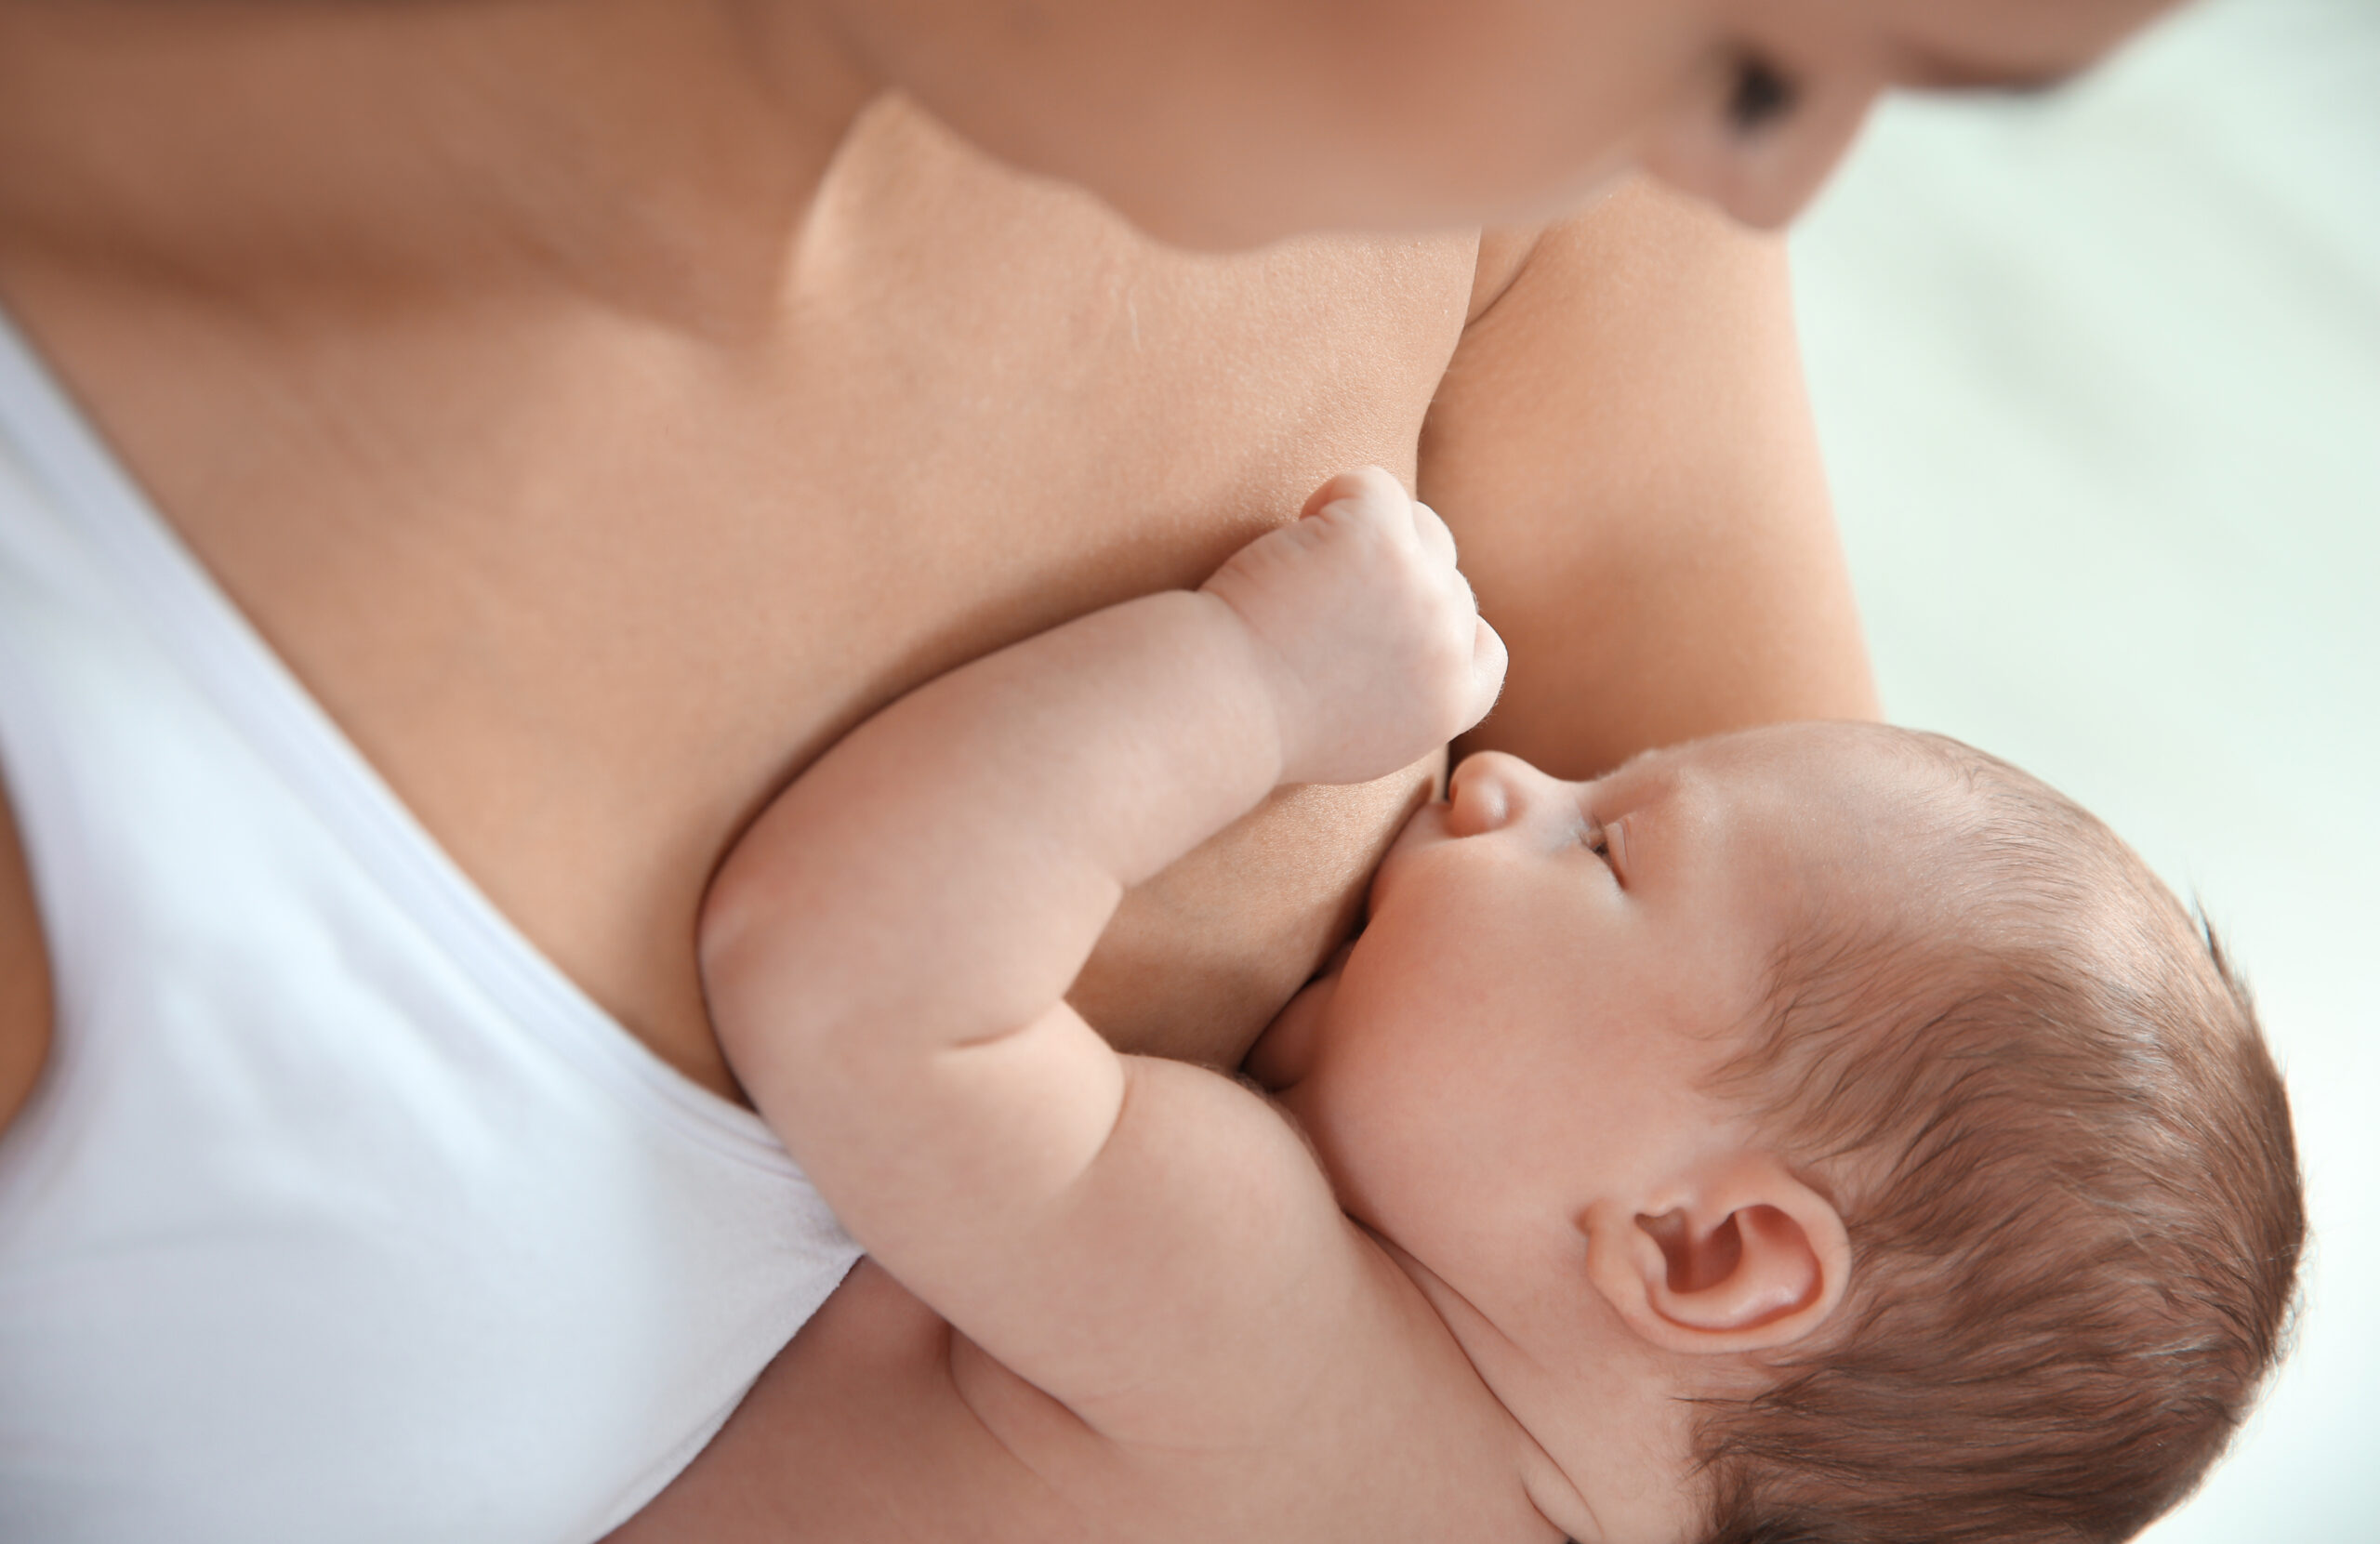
603, 404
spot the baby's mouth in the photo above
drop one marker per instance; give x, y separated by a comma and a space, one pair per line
1426, 827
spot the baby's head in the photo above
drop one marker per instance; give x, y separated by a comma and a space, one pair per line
1830, 1119
2042, 1102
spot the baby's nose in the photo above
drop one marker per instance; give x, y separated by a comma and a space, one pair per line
1492, 790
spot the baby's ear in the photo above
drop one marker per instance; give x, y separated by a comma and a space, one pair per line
1738, 1256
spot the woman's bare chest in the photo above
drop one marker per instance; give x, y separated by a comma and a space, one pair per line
586, 585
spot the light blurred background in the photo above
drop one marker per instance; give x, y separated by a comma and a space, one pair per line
2098, 376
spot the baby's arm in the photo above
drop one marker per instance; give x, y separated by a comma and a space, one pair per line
887, 950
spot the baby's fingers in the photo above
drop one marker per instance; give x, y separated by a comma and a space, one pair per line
1488, 659
1437, 542
1371, 493
1487, 654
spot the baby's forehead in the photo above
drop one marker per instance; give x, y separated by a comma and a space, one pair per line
1843, 817
1920, 826
1871, 769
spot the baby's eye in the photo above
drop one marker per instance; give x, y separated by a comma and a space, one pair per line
1606, 841
1762, 96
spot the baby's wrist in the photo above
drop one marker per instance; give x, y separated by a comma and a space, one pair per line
1273, 680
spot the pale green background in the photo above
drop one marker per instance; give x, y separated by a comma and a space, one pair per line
2099, 378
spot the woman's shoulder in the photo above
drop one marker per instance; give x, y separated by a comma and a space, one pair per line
24, 977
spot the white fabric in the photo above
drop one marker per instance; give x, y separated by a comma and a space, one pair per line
340, 1214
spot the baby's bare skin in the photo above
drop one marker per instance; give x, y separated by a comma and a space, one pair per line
1474, 1299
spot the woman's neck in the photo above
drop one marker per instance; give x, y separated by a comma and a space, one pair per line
657, 156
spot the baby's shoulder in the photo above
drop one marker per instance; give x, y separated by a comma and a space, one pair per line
1308, 1366
881, 1422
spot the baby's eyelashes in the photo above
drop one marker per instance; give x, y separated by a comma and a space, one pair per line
1606, 841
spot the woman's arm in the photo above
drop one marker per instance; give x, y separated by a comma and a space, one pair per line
886, 951
24, 977
1624, 449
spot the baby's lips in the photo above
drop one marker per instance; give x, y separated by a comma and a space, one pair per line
1427, 827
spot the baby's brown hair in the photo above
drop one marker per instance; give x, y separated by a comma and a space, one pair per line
2040, 1098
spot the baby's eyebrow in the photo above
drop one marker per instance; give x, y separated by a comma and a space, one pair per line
1637, 760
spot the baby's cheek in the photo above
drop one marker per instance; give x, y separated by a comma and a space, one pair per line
1284, 1054
1424, 1141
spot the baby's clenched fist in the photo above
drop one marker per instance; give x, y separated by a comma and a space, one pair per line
1369, 640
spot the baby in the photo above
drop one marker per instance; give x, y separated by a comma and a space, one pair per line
1824, 1133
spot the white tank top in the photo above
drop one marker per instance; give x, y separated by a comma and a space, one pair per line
340, 1213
